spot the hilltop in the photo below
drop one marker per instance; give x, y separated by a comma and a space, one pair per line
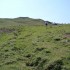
23, 21
20, 21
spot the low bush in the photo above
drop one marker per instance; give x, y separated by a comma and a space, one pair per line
56, 65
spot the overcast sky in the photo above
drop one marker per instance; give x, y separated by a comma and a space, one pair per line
52, 10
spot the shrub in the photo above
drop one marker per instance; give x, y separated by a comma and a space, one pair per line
41, 64
28, 55
57, 39
56, 65
34, 63
48, 52
40, 49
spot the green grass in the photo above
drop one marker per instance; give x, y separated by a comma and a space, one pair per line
34, 47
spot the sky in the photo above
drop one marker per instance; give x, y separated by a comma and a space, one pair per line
49, 10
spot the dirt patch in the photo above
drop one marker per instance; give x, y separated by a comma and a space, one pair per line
67, 35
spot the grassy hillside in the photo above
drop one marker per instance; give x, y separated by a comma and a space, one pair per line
5, 22
27, 44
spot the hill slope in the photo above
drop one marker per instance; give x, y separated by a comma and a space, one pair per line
35, 47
